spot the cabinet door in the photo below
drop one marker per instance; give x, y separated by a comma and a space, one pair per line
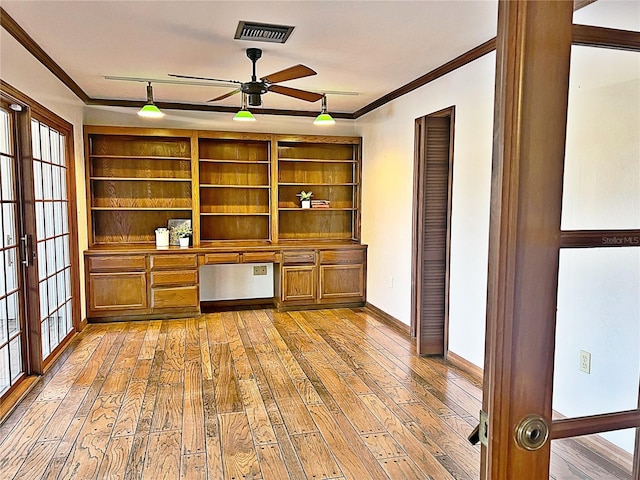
298, 284
341, 283
114, 292
184, 298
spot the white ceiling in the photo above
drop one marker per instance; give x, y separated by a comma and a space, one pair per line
369, 47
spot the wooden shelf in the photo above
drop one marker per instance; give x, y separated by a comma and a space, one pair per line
141, 179
221, 160
235, 214
300, 184
315, 160
243, 189
330, 209
136, 183
142, 209
210, 185
140, 157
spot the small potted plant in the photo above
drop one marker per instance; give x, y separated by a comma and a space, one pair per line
183, 232
305, 199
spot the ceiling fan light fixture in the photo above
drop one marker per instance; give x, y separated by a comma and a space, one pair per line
324, 118
149, 110
243, 114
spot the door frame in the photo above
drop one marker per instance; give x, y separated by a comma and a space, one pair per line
532, 72
420, 203
35, 110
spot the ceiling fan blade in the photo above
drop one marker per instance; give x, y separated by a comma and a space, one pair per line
297, 71
294, 92
203, 78
226, 95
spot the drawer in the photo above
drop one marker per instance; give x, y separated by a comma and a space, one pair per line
186, 277
116, 263
259, 257
213, 258
177, 297
297, 257
341, 256
174, 261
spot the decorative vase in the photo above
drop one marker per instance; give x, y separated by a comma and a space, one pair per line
184, 241
306, 203
162, 237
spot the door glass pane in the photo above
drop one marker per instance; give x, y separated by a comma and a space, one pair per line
53, 238
602, 171
5, 374
622, 15
607, 456
4, 323
9, 227
597, 358
11, 322
13, 312
5, 136
15, 356
7, 169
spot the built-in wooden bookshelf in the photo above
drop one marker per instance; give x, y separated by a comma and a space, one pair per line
330, 168
235, 188
136, 183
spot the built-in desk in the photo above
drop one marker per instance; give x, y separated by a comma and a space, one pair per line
141, 281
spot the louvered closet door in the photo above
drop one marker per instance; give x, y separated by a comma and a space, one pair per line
432, 299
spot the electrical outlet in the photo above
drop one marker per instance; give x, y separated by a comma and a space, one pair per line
390, 282
585, 361
260, 270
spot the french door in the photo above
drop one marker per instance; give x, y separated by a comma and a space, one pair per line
12, 321
38, 289
535, 264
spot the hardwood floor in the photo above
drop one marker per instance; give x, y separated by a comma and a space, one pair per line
329, 394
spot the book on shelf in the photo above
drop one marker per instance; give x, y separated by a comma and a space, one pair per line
320, 204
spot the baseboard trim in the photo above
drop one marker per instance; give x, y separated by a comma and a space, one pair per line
211, 306
474, 371
389, 320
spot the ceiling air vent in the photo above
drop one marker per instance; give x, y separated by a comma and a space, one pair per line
262, 32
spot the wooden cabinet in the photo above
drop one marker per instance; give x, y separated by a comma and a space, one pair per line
298, 284
116, 284
145, 284
174, 283
322, 277
137, 180
239, 191
342, 276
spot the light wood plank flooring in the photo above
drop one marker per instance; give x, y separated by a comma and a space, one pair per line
329, 394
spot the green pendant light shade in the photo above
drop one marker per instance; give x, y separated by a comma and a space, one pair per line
243, 114
324, 118
149, 110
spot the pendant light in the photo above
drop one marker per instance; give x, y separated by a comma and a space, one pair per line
324, 118
149, 110
243, 114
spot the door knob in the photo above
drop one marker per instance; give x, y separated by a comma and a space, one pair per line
532, 432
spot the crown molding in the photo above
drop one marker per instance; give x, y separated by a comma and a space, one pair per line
584, 35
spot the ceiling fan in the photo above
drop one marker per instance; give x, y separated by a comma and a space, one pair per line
256, 88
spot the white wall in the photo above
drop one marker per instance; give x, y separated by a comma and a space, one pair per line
19, 69
599, 289
598, 308
388, 134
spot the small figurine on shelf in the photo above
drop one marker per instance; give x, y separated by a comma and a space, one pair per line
305, 199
